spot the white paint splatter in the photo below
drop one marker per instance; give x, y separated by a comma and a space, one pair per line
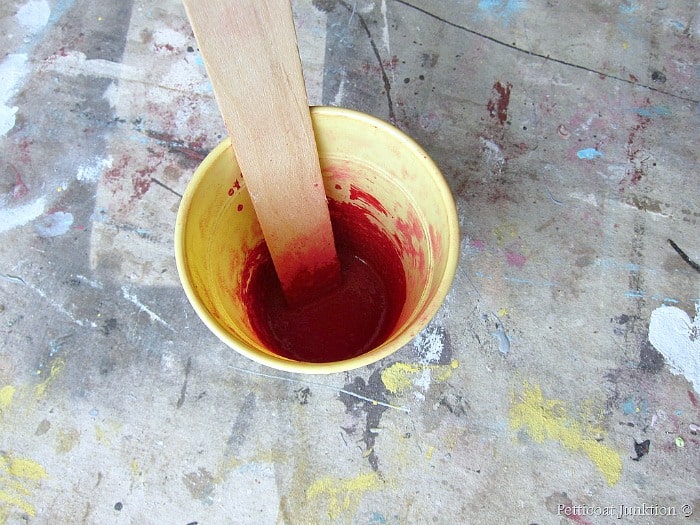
142, 307
430, 344
385, 37
677, 337
169, 40
492, 155
12, 70
338, 100
93, 171
54, 224
76, 63
111, 95
48, 298
502, 337
34, 15
11, 218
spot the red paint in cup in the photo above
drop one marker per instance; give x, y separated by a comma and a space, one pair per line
345, 322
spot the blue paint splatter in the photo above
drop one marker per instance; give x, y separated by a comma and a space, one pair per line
680, 26
653, 111
502, 8
377, 519
588, 154
630, 406
629, 6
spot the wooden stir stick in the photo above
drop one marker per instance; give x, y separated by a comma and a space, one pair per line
250, 52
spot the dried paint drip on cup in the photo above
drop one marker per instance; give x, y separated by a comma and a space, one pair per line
349, 320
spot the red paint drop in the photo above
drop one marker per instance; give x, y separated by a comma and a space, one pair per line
239, 207
349, 320
498, 106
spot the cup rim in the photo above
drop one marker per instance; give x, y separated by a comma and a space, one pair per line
387, 348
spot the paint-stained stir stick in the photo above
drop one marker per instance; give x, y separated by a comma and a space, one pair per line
250, 51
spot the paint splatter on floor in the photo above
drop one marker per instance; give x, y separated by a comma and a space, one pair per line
57, 366
677, 338
400, 377
498, 104
343, 495
641, 449
19, 478
54, 224
548, 419
589, 154
6, 394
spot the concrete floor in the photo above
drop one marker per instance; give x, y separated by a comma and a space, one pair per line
560, 381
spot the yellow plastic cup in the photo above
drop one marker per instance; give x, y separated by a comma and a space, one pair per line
410, 201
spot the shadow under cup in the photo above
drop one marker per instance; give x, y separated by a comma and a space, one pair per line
368, 165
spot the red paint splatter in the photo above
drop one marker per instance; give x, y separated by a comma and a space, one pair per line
20, 189
693, 399
436, 242
391, 63
239, 207
115, 175
166, 47
569, 512
141, 182
192, 149
498, 105
515, 259
387, 65
409, 237
635, 149
357, 194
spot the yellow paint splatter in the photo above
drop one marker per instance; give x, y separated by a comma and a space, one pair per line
25, 468
67, 440
18, 478
505, 232
101, 436
430, 452
502, 312
548, 419
343, 495
399, 377
6, 394
57, 366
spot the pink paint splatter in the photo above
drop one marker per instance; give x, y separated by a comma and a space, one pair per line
693, 399
477, 244
515, 259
